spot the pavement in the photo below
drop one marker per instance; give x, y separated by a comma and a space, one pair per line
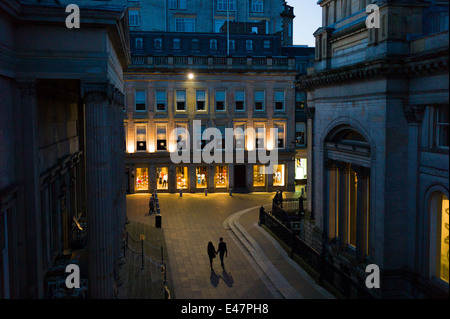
256, 266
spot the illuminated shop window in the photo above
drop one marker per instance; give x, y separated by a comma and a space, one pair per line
182, 177
444, 241
259, 176
300, 168
202, 176
162, 174
141, 138
141, 179
221, 177
278, 175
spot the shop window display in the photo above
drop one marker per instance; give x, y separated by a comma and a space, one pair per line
141, 179
221, 177
278, 175
182, 177
162, 174
201, 174
259, 176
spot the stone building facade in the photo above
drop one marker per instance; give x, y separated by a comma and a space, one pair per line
235, 91
61, 93
378, 106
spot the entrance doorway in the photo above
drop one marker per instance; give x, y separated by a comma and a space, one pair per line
240, 181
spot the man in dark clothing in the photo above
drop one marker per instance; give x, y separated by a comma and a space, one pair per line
222, 249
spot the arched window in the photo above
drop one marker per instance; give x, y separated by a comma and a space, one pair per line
439, 233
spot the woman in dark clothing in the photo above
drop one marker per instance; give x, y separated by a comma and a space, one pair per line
211, 253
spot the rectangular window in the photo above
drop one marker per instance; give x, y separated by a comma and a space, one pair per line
259, 100
140, 101
239, 100
249, 45
260, 134
281, 136
300, 101
202, 175
161, 101
138, 43
255, 30
279, 100
158, 44
300, 134
183, 5
185, 25
239, 136
278, 175
259, 176
173, 4
161, 137
222, 5
201, 100
220, 100
221, 177
181, 101
213, 45
232, 45
182, 177
134, 18
257, 6
194, 45
442, 127
162, 178
141, 138
182, 139
141, 179
267, 44
176, 44
218, 23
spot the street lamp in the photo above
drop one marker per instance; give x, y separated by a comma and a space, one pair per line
191, 76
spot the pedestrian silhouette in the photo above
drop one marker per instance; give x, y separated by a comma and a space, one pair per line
211, 253
222, 250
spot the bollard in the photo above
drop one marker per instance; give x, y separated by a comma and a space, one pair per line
181, 193
142, 247
206, 192
231, 192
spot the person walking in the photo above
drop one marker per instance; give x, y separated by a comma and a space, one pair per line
222, 250
211, 253
151, 205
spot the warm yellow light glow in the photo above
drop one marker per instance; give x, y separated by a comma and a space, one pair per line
130, 147
151, 148
191, 76
172, 147
270, 145
250, 146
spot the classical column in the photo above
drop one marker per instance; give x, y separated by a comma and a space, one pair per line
414, 116
362, 214
331, 191
99, 191
310, 156
31, 188
343, 205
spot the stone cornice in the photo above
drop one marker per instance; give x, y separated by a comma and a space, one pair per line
92, 89
410, 66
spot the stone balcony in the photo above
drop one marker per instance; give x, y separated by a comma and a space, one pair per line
214, 63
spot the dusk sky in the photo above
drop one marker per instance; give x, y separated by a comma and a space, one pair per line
308, 18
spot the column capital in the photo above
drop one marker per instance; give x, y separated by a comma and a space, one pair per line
331, 164
343, 167
27, 88
414, 113
95, 91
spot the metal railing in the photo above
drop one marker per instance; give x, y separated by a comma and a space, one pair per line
328, 273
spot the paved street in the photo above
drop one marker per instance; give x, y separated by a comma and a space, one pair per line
255, 268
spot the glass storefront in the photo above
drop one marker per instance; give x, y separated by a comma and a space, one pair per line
162, 178
278, 175
182, 177
444, 242
259, 176
221, 177
141, 179
300, 168
201, 174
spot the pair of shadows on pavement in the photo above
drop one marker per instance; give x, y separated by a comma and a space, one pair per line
225, 276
